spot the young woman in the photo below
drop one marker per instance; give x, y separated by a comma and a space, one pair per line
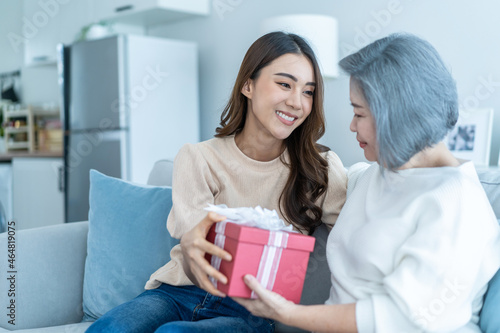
417, 241
265, 153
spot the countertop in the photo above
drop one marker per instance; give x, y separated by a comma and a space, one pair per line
8, 156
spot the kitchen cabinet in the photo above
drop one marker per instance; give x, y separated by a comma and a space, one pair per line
37, 192
5, 193
47, 23
149, 12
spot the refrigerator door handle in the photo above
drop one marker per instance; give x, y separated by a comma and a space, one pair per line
63, 59
124, 8
60, 178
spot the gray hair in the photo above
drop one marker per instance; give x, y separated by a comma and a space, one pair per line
410, 92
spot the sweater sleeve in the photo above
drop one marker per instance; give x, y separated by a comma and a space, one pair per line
441, 268
192, 188
335, 195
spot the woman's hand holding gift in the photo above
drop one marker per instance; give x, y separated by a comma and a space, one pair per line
268, 304
194, 247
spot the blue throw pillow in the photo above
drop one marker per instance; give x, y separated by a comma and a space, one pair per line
489, 320
127, 241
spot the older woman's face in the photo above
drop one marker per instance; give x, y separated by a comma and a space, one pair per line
363, 123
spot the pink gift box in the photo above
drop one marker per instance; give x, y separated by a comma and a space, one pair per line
277, 258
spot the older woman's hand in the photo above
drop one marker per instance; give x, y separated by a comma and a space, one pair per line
269, 304
194, 247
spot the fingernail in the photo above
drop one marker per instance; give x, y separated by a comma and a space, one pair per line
228, 257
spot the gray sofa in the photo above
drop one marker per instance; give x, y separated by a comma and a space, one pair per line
51, 262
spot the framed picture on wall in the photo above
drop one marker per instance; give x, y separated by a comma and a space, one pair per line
471, 137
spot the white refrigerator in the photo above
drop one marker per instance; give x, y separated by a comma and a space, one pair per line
128, 101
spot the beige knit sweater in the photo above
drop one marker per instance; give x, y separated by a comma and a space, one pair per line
217, 172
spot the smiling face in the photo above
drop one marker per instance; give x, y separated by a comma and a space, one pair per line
363, 123
280, 98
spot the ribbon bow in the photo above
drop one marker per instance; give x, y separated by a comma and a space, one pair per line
259, 217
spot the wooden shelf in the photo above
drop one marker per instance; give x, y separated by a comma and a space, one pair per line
7, 157
27, 115
16, 113
45, 113
29, 129
18, 145
22, 129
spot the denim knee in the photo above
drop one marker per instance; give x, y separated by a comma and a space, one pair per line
175, 327
111, 325
219, 325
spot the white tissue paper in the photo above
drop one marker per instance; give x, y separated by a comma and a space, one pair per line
252, 217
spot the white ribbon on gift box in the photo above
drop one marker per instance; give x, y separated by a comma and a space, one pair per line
270, 260
260, 218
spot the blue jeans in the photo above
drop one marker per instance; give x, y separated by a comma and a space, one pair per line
180, 309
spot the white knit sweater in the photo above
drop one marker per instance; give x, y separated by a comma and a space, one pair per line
414, 249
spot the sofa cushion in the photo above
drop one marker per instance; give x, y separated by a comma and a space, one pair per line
127, 241
161, 174
489, 319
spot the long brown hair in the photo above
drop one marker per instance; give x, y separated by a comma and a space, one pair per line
308, 178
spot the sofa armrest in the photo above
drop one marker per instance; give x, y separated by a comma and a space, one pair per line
47, 276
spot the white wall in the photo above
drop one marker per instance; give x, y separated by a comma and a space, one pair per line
11, 58
466, 33
10, 14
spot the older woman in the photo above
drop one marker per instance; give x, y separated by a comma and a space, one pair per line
417, 241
